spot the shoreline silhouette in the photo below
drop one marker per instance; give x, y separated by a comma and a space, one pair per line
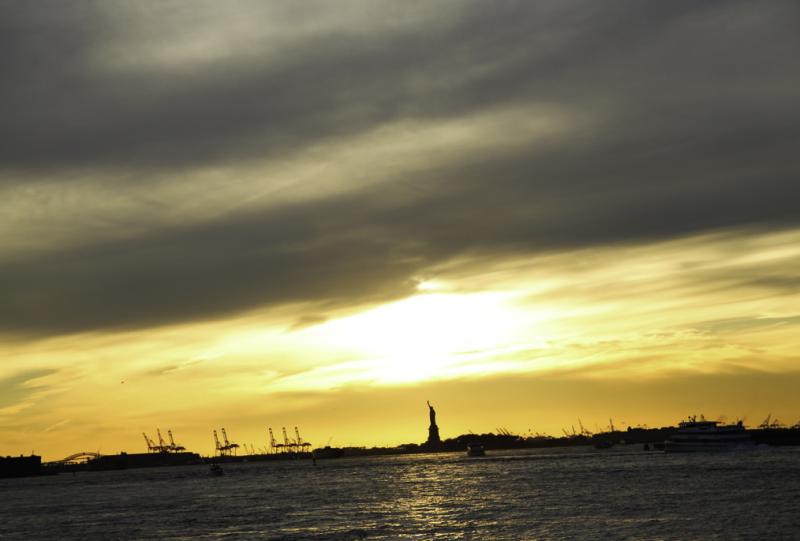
168, 453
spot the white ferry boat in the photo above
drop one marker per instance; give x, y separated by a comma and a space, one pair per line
695, 435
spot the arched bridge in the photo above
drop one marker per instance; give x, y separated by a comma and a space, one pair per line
77, 457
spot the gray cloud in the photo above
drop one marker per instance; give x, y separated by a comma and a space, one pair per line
65, 108
692, 122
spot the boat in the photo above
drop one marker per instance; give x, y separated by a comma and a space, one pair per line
475, 449
328, 452
701, 435
216, 470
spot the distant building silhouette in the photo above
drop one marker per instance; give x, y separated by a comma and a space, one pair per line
433, 430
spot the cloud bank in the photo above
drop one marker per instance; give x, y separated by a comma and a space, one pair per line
166, 163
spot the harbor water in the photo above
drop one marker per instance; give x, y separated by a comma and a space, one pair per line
555, 494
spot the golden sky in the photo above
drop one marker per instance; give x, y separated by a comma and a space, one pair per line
251, 215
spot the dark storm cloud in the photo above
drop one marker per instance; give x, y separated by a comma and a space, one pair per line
63, 108
220, 267
692, 120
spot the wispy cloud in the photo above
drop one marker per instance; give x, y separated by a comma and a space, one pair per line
22, 390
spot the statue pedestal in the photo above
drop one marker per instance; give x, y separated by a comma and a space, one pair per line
433, 435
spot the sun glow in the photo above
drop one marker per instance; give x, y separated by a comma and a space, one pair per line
426, 336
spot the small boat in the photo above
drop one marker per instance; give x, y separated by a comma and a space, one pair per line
701, 435
475, 449
216, 470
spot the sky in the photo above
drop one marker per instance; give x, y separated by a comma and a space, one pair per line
322, 214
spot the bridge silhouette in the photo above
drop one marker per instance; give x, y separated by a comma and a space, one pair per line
77, 457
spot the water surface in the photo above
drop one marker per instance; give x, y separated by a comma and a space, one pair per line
544, 494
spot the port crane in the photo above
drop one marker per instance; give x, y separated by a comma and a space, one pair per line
172, 446
227, 447
286, 443
151, 446
224, 448
217, 444
769, 422
275, 447
302, 446
295, 445
162, 446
